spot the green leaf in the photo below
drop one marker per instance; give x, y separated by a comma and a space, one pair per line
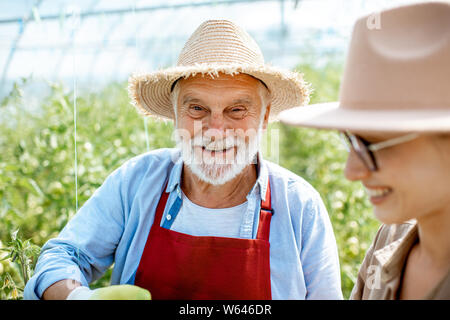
36, 187
14, 235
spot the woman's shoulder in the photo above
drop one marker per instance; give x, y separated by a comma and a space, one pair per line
390, 233
384, 260
388, 240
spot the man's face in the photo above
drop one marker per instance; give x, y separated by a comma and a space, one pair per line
219, 123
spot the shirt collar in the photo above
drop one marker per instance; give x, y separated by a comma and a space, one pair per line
261, 181
393, 256
175, 174
263, 176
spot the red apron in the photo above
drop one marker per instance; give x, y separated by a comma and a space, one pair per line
179, 266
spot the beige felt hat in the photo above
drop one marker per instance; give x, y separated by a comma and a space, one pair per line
217, 46
396, 78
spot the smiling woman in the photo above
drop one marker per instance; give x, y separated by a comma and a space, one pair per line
397, 126
412, 179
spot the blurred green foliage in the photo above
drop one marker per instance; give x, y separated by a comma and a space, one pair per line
37, 180
319, 156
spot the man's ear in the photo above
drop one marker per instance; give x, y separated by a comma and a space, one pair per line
266, 117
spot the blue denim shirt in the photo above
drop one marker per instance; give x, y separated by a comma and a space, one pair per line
113, 225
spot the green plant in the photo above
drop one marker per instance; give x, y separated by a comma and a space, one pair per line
37, 175
319, 157
23, 255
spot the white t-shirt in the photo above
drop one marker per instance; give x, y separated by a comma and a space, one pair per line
200, 221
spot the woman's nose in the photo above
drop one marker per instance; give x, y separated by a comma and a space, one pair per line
355, 169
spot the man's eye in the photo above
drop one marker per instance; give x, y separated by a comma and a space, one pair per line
196, 108
196, 111
237, 110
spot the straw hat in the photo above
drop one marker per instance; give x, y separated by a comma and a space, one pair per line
396, 78
217, 46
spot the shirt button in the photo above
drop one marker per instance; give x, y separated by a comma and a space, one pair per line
169, 217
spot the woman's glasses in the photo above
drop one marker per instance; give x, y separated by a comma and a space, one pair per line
365, 150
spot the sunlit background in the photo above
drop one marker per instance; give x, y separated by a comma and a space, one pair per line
66, 121
98, 41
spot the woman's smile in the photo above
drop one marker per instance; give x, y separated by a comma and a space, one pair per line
378, 194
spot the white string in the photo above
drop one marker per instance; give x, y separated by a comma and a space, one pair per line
75, 109
146, 134
136, 46
74, 22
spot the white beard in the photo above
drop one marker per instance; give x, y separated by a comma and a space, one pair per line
218, 169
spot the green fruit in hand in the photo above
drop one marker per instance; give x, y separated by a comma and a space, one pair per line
121, 292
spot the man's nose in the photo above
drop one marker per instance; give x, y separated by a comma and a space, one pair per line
355, 169
215, 126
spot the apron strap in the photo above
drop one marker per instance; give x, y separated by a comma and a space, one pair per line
265, 215
161, 205
265, 203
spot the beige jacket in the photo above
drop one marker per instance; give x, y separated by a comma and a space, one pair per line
381, 272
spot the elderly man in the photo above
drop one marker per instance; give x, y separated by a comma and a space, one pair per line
210, 219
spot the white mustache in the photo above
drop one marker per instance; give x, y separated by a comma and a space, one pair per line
216, 169
215, 145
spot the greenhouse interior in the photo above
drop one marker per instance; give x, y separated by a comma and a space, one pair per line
101, 41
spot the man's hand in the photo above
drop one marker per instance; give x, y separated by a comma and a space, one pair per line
116, 292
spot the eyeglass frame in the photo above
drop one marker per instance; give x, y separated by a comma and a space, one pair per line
362, 147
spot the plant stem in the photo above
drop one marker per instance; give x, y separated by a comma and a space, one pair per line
23, 268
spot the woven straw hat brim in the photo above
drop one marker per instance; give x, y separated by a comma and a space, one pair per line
150, 92
332, 116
